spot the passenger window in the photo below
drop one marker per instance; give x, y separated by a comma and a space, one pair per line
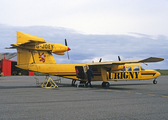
129, 69
136, 68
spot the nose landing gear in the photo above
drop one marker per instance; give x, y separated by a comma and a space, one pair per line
155, 81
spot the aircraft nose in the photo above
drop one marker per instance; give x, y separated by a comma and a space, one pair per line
157, 74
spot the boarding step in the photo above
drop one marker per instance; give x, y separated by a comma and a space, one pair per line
81, 83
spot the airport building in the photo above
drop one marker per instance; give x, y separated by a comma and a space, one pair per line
8, 68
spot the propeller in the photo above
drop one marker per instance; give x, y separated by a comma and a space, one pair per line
119, 59
68, 48
100, 60
66, 43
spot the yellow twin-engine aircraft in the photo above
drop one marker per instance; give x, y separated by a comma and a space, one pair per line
34, 54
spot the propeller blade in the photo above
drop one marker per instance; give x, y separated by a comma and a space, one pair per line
119, 58
100, 60
68, 48
68, 55
66, 42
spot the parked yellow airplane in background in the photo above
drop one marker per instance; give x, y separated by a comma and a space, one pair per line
34, 54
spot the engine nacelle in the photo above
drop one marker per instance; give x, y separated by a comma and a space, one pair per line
60, 49
117, 67
59, 53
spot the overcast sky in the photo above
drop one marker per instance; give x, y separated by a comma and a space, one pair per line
89, 16
133, 29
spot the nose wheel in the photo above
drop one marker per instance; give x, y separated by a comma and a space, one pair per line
155, 81
105, 84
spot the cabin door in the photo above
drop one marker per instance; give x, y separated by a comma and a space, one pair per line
80, 72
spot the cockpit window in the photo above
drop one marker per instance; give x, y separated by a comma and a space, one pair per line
123, 69
136, 68
142, 68
129, 68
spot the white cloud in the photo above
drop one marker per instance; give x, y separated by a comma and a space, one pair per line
91, 17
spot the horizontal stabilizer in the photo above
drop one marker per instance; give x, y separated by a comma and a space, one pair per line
10, 47
24, 38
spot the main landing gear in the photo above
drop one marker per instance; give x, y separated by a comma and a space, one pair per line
155, 81
105, 84
73, 82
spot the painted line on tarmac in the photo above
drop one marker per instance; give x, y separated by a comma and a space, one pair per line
164, 96
118, 91
138, 93
151, 95
127, 92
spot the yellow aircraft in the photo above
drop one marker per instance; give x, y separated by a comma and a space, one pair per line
34, 54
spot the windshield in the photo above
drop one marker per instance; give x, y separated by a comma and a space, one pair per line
142, 68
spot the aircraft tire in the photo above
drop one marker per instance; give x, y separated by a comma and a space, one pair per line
73, 82
154, 82
105, 84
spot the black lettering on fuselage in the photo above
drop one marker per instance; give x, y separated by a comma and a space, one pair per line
37, 46
124, 75
131, 75
117, 76
52, 46
44, 46
136, 74
109, 75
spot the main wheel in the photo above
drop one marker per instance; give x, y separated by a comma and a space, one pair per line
105, 84
73, 82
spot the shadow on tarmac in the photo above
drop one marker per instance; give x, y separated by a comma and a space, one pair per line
16, 87
112, 86
63, 85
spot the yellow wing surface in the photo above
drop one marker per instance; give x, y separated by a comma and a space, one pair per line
118, 65
150, 59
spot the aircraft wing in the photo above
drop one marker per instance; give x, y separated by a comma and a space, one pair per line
150, 59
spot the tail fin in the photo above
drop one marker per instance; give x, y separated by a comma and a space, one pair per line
27, 58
